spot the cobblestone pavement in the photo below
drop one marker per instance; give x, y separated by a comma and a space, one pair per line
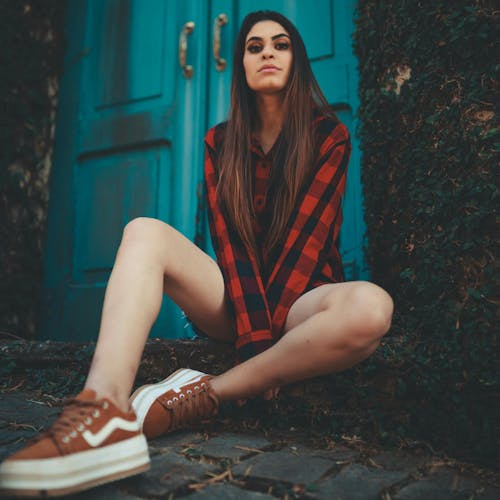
217, 463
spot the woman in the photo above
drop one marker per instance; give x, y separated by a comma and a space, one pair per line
275, 173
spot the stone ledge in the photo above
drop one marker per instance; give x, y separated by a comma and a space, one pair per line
160, 357
341, 395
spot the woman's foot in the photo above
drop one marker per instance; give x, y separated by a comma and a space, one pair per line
181, 400
92, 442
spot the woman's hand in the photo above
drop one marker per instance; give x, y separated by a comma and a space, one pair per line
271, 394
267, 396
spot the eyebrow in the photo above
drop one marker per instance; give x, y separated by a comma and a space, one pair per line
258, 38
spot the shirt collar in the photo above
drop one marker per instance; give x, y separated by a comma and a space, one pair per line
256, 147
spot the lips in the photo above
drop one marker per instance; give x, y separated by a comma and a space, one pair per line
268, 67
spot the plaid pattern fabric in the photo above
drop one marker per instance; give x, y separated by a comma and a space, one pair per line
308, 257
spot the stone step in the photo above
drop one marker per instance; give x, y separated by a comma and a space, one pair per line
314, 399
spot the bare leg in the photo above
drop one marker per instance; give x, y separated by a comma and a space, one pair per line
153, 258
337, 325
328, 329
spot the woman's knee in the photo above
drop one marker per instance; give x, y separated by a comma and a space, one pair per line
148, 230
371, 309
367, 311
145, 236
142, 228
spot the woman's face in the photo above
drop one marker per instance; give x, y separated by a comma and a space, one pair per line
268, 57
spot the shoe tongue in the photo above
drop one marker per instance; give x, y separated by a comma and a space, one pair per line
86, 395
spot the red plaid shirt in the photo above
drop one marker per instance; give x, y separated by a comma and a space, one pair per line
309, 256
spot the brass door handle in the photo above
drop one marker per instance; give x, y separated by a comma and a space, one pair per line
187, 29
220, 20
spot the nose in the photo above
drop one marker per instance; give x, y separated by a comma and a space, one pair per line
267, 52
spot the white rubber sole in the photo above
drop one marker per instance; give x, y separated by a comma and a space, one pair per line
76, 472
143, 398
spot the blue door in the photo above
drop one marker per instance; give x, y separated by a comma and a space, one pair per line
142, 83
127, 124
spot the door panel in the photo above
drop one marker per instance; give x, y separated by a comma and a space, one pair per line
125, 141
137, 30
135, 119
99, 220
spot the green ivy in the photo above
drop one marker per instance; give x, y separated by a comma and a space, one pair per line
31, 39
430, 138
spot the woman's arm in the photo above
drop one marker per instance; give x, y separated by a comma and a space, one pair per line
241, 274
314, 225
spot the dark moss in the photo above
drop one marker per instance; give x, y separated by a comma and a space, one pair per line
31, 37
429, 136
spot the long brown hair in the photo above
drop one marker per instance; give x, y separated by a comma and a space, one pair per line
295, 149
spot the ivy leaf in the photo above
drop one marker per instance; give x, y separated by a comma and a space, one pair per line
491, 133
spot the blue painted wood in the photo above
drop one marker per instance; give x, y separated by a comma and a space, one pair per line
129, 138
132, 119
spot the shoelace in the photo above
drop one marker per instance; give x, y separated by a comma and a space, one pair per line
76, 415
191, 406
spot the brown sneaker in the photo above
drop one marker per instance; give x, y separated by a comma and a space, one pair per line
181, 400
92, 442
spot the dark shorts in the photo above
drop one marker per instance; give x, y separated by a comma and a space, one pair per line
193, 332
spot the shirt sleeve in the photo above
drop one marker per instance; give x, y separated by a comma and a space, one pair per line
240, 270
314, 226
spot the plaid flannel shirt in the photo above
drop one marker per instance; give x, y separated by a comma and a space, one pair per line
309, 256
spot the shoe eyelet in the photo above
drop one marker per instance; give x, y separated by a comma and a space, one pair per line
80, 427
182, 396
88, 420
189, 391
65, 439
96, 413
203, 384
73, 434
196, 387
170, 402
175, 398
105, 405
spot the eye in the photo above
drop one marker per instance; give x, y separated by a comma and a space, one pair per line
254, 49
282, 46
